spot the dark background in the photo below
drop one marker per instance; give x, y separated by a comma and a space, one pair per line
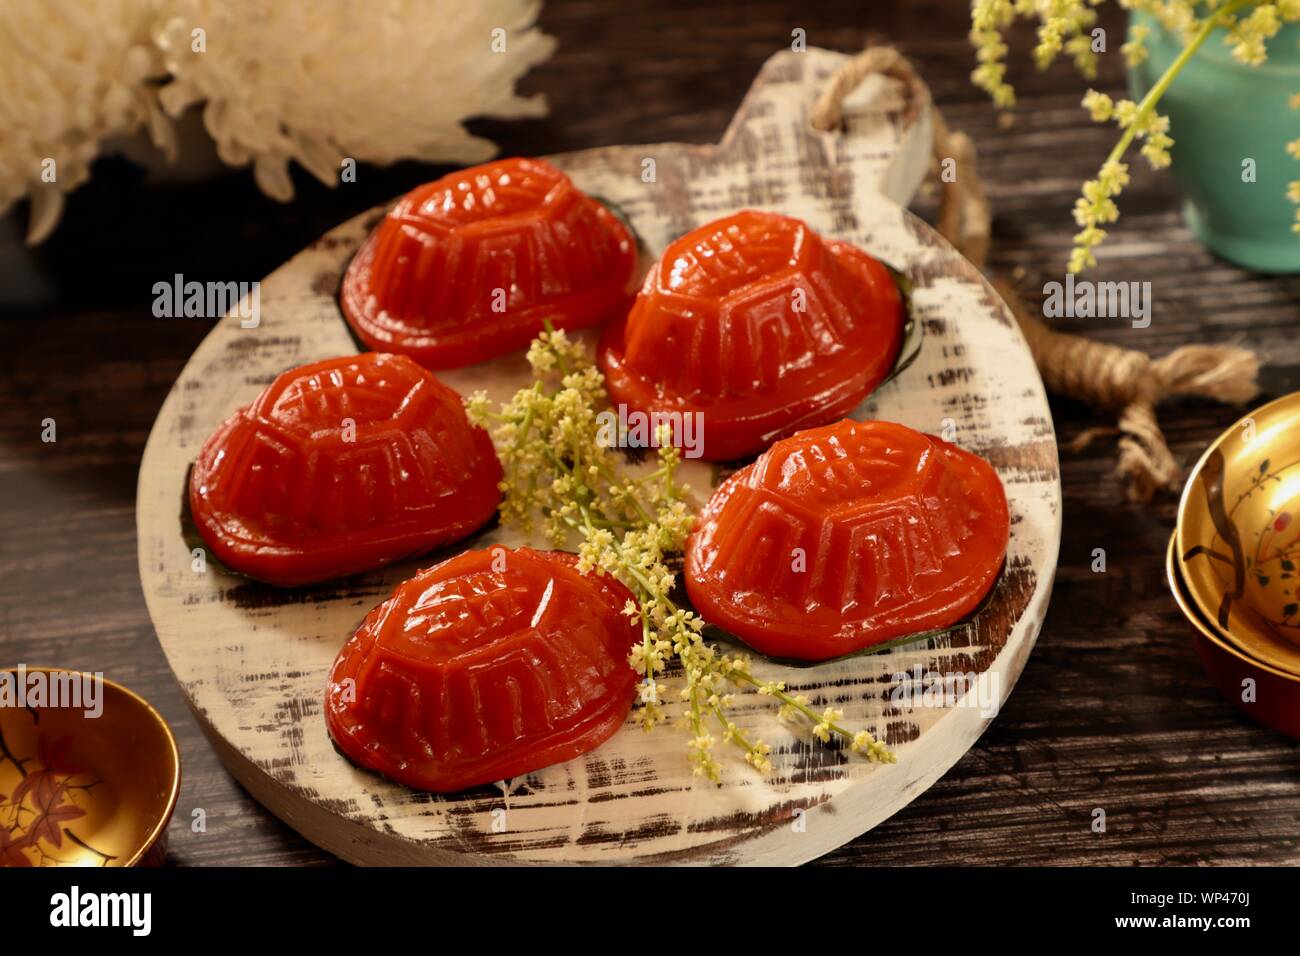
1112, 711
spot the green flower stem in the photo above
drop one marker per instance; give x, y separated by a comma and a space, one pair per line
1212, 21
789, 700
733, 733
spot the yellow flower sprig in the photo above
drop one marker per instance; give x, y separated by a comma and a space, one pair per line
988, 19
1293, 187
561, 480
1065, 25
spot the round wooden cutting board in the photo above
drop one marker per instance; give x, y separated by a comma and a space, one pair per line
253, 659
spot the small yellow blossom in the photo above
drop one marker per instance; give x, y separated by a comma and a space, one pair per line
867, 745
1134, 50
1249, 36
1099, 106
757, 757
478, 408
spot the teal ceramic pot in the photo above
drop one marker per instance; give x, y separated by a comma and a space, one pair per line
1222, 112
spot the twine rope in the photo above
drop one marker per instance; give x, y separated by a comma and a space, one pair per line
1108, 378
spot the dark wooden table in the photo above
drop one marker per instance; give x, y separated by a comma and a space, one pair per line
1113, 710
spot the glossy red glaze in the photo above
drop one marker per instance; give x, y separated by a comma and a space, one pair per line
490, 665
466, 268
846, 536
288, 492
761, 326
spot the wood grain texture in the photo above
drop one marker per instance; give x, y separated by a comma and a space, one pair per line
253, 660
1112, 711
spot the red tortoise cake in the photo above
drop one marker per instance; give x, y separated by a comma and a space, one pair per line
760, 326
846, 536
466, 268
342, 466
488, 666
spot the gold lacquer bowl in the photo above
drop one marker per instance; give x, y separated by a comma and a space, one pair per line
1263, 693
1238, 534
89, 772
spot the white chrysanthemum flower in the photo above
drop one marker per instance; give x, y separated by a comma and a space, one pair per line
72, 73
372, 80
